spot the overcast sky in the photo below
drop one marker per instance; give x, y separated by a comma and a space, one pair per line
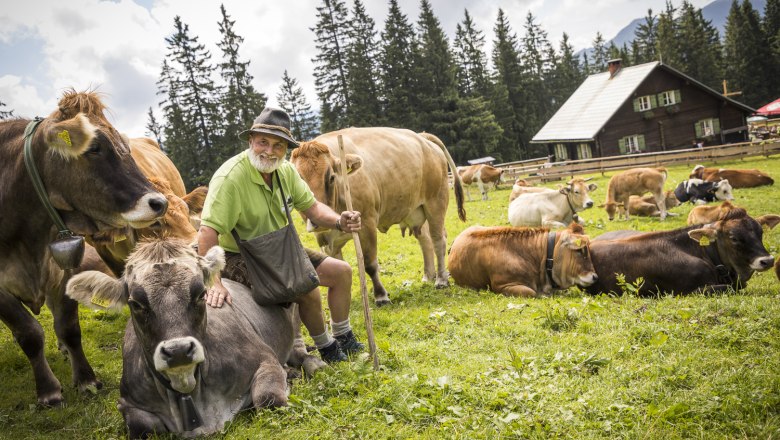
117, 47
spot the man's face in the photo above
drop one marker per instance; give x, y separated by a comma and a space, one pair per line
266, 152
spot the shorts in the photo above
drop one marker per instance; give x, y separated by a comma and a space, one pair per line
235, 267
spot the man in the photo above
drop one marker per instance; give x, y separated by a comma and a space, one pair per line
243, 194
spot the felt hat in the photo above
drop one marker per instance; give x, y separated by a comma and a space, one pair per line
273, 121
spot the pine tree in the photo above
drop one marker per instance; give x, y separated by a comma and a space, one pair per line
699, 45
472, 73
645, 38
771, 28
240, 102
537, 59
153, 127
179, 134
507, 98
303, 122
667, 38
362, 77
330, 73
748, 54
567, 74
477, 134
396, 69
600, 54
5, 114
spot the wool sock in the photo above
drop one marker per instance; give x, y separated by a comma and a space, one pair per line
340, 328
323, 340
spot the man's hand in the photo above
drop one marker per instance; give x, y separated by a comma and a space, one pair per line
217, 295
350, 221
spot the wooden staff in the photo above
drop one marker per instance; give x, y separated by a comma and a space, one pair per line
361, 263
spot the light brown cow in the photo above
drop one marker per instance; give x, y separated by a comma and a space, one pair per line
512, 261
482, 175
705, 214
636, 181
396, 177
180, 221
737, 178
645, 206
522, 186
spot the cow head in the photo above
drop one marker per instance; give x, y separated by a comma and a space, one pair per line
572, 258
164, 284
670, 199
612, 208
722, 190
576, 190
178, 220
697, 172
322, 172
87, 169
738, 238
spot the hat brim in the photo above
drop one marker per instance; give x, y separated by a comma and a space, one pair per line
292, 143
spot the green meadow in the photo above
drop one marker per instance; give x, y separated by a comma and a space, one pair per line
457, 363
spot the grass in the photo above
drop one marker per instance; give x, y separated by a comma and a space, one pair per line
463, 364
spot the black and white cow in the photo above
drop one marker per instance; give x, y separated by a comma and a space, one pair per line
189, 368
698, 191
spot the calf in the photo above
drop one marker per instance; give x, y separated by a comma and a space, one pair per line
189, 368
551, 208
482, 175
714, 257
698, 191
703, 214
645, 206
636, 181
738, 178
521, 261
522, 186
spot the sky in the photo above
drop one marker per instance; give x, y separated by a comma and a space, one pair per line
117, 46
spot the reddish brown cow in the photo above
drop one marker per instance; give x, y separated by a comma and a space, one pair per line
511, 260
482, 175
94, 184
636, 181
737, 178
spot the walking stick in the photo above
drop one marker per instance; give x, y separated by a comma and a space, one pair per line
361, 263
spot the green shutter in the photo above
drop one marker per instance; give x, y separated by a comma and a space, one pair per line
653, 101
622, 145
636, 105
677, 97
697, 126
642, 146
716, 126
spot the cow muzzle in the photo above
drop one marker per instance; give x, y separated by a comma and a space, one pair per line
177, 359
762, 263
149, 208
587, 279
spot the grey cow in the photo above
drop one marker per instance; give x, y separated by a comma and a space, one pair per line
189, 368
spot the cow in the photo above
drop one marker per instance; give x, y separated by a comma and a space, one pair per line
482, 175
177, 349
737, 178
645, 206
703, 214
396, 176
523, 262
94, 184
180, 221
699, 192
522, 186
635, 181
715, 257
551, 208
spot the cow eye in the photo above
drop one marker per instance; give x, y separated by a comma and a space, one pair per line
94, 148
201, 295
331, 178
136, 306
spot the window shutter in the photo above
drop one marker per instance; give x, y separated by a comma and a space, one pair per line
716, 126
636, 105
677, 97
622, 145
653, 101
697, 126
642, 146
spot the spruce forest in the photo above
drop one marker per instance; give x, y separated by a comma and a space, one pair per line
407, 72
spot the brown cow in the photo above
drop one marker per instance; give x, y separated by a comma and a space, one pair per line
94, 184
511, 260
396, 177
645, 206
715, 257
737, 178
636, 181
482, 175
703, 214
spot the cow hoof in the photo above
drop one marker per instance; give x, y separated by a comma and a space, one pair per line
382, 302
442, 284
90, 387
54, 400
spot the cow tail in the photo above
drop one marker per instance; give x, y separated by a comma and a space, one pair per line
457, 184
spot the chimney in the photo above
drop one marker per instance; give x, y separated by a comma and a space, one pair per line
614, 66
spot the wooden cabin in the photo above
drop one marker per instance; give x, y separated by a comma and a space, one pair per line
645, 108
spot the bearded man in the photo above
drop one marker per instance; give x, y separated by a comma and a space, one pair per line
244, 195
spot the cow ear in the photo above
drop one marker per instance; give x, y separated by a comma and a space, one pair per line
212, 264
97, 290
354, 162
195, 199
592, 187
703, 235
770, 220
71, 138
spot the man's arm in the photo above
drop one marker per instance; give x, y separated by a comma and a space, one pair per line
322, 215
217, 294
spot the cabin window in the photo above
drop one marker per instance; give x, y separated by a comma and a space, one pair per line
584, 151
645, 103
669, 97
561, 152
707, 127
632, 144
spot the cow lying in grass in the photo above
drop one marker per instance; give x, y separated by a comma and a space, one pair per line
636, 181
521, 261
645, 206
698, 191
703, 214
738, 178
551, 208
177, 350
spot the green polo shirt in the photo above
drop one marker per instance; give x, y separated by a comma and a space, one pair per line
239, 198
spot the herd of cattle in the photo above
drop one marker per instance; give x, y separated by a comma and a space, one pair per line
181, 375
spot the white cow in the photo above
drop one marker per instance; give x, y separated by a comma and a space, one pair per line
555, 209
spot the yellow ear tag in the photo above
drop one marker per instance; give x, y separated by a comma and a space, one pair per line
65, 136
704, 241
119, 238
100, 300
578, 242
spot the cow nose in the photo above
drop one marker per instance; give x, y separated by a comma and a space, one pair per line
158, 204
589, 204
766, 262
176, 353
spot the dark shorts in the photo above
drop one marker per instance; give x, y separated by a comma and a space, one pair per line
235, 268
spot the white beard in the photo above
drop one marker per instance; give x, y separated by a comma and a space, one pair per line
263, 164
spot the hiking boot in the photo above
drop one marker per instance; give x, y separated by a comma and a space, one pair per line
332, 353
349, 344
